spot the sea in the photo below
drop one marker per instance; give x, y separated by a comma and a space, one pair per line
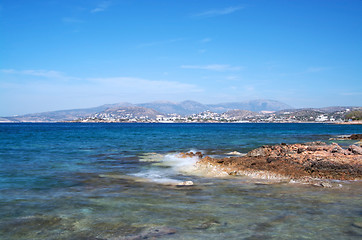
119, 181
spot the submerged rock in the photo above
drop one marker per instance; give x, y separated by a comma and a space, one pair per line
150, 233
323, 184
208, 224
348, 137
357, 225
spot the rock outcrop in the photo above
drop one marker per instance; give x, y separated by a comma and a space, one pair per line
356, 137
296, 161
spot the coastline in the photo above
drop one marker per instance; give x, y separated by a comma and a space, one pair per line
350, 123
161, 122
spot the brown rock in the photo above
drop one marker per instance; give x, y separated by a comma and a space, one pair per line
190, 154
355, 149
297, 161
257, 152
356, 137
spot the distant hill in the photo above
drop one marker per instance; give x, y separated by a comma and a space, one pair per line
62, 115
183, 108
311, 114
160, 107
127, 113
191, 107
254, 105
239, 114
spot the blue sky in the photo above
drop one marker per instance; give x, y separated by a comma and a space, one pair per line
64, 54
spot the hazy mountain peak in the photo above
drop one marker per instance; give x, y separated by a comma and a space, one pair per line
159, 102
189, 102
256, 105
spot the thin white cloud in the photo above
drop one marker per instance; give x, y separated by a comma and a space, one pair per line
38, 73
142, 86
101, 7
127, 84
213, 67
218, 12
28, 88
124, 82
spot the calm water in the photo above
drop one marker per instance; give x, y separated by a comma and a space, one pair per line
111, 181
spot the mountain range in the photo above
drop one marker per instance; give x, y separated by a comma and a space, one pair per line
158, 107
191, 107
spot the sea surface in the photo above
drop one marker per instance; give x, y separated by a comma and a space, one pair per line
117, 181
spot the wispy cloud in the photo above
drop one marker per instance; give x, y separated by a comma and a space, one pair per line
218, 12
213, 67
143, 86
101, 7
150, 44
129, 86
39, 73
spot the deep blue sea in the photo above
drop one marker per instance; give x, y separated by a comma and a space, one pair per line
115, 181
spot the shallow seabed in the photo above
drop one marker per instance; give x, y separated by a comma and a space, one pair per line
107, 182
235, 208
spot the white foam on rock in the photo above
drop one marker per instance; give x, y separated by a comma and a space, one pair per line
236, 153
157, 176
165, 168
180, 164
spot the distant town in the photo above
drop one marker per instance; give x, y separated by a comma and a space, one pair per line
232, 116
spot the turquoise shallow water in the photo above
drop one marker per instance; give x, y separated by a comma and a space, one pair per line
107, 181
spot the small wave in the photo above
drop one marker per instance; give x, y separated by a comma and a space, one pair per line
166, 168
180, 164
157, 176
236, 153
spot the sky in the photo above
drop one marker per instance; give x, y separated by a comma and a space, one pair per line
67, 54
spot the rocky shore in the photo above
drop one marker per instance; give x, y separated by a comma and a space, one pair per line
300, 162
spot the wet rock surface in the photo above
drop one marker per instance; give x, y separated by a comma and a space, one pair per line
296, 161
190, 154
357, 136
